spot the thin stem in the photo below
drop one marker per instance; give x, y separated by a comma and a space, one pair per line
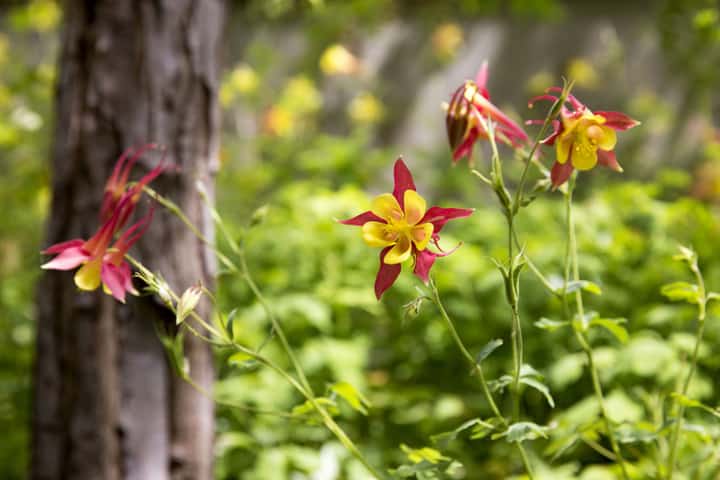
579, 330
477, 368
510, 212
702, 304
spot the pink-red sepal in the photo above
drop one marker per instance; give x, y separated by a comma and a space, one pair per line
387, 274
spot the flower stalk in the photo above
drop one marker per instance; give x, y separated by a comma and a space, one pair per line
571, 263
477, 369
679, 406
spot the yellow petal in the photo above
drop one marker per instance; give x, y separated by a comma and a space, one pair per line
608, 139
562, 149
400, 252
88, 277
421, 235
387, 207
377, 234
584, 154
415, 207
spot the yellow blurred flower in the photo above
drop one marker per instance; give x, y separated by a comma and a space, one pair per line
301, 96
337, 60
583, 73
242, 80
446, 40
279, 122
539, 81
365, 109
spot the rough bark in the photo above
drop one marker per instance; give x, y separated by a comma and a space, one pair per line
106, 406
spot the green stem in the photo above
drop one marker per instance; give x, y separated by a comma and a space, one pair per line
579, 330
477, 368
702, 304
305, 385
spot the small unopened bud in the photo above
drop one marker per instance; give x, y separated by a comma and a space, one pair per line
187, 303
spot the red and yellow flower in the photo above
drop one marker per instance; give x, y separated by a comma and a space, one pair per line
401, 224
470, 107
583, 138
99, 262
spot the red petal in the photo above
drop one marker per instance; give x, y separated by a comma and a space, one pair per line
465, 148
608, 159
618, 121
481, 79
423, 262
560, 173
113, 278
387, 274
68, 259
59, 247
403, 180
362, 219
439, 216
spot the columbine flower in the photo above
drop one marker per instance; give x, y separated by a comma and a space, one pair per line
469, 109
403, 227
582, 138
116, 186
100, 263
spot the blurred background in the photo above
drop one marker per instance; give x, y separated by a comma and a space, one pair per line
319, 98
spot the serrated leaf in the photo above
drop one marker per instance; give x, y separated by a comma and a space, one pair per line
550, 325
540, 387
352, 396
522, 431
681, 291
489, 347
613, 326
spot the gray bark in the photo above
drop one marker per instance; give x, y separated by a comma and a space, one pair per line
106, 405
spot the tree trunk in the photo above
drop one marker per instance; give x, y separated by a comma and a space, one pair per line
106, 405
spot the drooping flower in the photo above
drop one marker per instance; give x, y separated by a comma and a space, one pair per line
401, 224
583, 138
99, 262
469, 108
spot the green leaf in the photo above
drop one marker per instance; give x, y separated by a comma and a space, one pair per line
681, 291
241, 360
352, 396
307, 409
229, 323
613, 326
540, 387
575, 285
483, 429
427, 454
550, 325
444, 439
500, 384
489, 348
689, 402
523, 431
